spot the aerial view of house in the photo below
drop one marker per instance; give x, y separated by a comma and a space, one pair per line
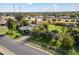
39, 29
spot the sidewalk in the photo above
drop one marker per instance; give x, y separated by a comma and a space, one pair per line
5, 51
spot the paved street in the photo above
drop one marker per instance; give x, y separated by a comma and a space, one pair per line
17, 48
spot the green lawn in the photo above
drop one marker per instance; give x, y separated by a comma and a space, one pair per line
14, 34
3, 30
54, 27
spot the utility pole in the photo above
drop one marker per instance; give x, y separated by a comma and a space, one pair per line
14, 8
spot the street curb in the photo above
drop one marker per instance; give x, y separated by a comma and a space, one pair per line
30, 45
38, 48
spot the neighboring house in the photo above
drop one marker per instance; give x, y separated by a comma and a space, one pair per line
3, 21
64, 21
26, 29
65, 17
39, 21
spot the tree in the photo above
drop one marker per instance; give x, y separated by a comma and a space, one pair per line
49, 21
78, 23
24, 22
66, 40
35, 21
45, 25
11, 24
73, 15
75, 33
18, 17
55, 37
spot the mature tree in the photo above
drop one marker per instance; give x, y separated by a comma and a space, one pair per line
24, 22
18, 17
49, 21
11, 24
36, 21
45, 25
66, 40
75, 33
73, 15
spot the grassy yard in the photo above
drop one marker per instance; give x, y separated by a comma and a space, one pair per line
14, 35
3, 30
54, 27
6, 32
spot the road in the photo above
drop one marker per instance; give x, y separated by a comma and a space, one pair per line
18, 48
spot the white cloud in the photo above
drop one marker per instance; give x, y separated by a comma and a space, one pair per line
54, 5
29, 3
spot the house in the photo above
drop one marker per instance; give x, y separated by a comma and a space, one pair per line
3, 21
64, 21
26, 29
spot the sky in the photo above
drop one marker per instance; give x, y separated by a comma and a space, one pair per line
38, 7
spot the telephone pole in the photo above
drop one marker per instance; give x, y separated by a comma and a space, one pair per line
14, 8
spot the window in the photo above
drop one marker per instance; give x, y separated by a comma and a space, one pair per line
77, 20
72, 20
67, 20
44, 19
59, 19
53, 19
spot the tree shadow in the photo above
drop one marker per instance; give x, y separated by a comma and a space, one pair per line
77, 48
62, 51
1, 35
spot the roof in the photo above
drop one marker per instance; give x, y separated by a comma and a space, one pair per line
26, 28
33, 25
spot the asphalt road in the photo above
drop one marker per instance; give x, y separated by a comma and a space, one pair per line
18, 48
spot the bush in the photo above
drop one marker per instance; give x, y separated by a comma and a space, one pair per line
17, 35
44, 45
76, 37
67, 41
55, 31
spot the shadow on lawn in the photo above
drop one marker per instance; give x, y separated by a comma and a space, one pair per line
1, 36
